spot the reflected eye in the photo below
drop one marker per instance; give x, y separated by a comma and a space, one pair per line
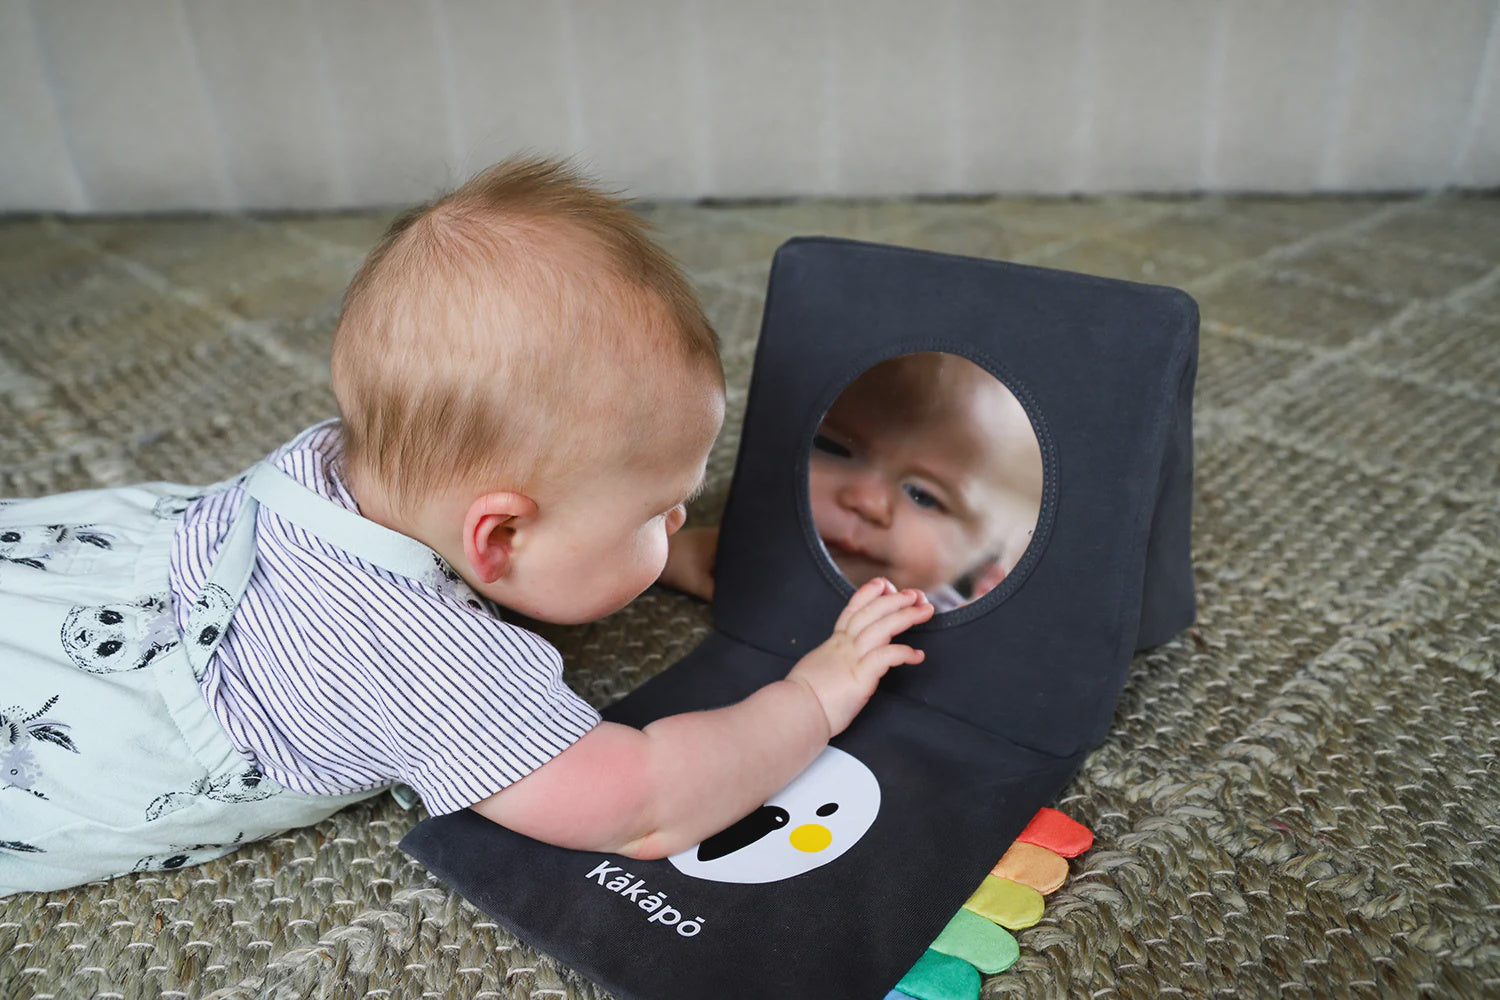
922, 498
829, 446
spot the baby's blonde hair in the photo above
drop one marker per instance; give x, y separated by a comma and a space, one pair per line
493, 333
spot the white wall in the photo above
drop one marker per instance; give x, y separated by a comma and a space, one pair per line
118, 105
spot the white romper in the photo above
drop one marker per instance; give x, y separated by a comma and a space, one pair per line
112, 759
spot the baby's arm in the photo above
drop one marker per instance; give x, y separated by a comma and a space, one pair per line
651, 792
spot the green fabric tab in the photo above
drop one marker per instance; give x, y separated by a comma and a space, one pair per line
940, 977
978, 941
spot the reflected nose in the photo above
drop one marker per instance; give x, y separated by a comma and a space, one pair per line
866, 495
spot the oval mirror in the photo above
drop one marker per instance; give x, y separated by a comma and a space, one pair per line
926, 470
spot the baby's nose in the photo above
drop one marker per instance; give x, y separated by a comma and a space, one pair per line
868, 497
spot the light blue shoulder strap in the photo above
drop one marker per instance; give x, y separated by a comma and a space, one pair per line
222, 591
336, 525
339, 526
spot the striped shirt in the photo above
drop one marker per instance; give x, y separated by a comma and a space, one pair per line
338, 676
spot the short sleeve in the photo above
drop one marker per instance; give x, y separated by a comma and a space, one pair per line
401, 683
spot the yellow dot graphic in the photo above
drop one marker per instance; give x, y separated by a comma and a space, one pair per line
811, 837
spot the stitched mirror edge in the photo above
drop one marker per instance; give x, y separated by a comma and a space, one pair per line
1045, 514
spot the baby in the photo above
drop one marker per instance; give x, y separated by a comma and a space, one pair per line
528, 392
925, 471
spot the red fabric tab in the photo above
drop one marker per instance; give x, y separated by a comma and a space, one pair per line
1056, 832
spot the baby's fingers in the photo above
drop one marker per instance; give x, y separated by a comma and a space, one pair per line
880, 630
870, 591
891, 655
859, 619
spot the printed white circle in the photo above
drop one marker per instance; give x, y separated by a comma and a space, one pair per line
820, 815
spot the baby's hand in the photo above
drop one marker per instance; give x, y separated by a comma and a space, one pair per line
843, 672
691, 554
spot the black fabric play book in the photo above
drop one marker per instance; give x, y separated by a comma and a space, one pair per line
918, 798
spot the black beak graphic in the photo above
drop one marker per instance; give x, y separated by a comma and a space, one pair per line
744, 833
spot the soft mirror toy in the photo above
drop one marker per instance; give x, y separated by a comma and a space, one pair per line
837, 886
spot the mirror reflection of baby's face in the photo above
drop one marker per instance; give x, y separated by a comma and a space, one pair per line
926, 471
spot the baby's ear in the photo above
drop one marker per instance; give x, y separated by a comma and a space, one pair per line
490, 529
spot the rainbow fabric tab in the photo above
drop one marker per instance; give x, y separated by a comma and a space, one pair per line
1057, 833
1009, 904
1035, 866
939, 977
976, 941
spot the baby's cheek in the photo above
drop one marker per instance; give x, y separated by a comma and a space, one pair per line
820, 482
659, 552
962, 554
650, 553
933, 556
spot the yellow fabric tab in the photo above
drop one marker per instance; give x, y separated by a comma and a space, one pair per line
1009, 904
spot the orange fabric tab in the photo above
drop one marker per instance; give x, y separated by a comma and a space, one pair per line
1057, 833
1043, 870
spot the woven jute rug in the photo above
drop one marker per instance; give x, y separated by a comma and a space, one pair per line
1300, 797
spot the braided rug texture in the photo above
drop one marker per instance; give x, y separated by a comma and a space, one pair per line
1299, 798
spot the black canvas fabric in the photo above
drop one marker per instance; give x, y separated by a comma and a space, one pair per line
1016, 687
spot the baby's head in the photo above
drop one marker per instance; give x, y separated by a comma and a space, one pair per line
926, 470
521, 371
